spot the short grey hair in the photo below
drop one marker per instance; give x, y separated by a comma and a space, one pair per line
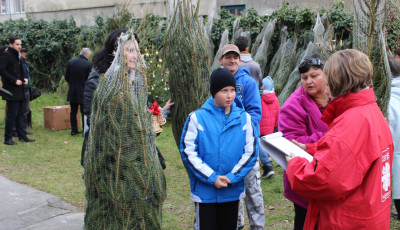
85, 51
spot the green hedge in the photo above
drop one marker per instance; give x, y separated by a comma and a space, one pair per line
52, 44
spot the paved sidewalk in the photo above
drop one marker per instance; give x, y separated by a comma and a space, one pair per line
22, 207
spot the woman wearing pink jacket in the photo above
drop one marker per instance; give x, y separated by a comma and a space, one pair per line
300, 119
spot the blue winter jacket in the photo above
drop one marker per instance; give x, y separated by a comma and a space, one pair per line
249, 94
212, 145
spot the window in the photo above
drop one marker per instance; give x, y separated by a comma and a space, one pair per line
12, 7
235, 9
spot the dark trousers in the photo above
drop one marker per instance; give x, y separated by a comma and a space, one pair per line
27, 109
300, 214
15, 116
397, 205
72, 115
217, 216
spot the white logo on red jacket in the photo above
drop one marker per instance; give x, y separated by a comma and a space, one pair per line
385, 183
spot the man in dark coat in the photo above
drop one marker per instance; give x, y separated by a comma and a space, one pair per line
78, 70
14, 81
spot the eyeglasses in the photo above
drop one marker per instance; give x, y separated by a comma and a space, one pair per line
308, 62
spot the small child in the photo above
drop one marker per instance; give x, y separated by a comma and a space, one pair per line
219, 148
269, 120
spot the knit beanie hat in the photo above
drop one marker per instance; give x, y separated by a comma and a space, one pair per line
268, 84
221, 78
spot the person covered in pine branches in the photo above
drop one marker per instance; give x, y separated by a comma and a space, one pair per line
124, 180
249, 95
101, 62
219, 147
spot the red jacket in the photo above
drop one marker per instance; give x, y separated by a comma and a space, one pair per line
348, 182
270, 113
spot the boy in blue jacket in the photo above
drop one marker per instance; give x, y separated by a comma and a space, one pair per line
219, 148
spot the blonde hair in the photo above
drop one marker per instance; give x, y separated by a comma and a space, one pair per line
348, 71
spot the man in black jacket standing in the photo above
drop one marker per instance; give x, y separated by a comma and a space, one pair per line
13, 81
78, 70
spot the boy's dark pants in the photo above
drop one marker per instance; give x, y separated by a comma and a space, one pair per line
217, 216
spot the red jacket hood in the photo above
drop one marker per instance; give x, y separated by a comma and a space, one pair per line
268, 98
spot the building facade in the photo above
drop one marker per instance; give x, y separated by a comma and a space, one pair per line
84, 12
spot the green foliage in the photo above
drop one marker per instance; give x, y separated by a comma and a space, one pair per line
122, 18
251, 21
341, 20
157, 77
297, 20
392, 25
150, 31
51, 44
225, 21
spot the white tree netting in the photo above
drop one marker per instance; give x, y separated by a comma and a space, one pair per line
207, 28
235, 29
287, 63
276, 60
224, 41
262, 52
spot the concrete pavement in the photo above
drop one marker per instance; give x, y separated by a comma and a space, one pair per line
23, 207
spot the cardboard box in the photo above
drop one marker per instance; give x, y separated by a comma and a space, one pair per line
57, 117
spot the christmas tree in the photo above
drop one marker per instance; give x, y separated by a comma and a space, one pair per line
369, 37
187, 58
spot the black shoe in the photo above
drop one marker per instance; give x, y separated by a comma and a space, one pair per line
268, 172
26, 140
10, 142
75, 132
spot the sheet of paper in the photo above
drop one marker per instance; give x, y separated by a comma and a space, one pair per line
277, 147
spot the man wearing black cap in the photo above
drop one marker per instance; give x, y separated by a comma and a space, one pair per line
217, 147
14, 81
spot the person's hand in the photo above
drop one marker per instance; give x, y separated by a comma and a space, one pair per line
18, 82
226, 179
221, 182
302, 146
289, 158
25, 81
168, 105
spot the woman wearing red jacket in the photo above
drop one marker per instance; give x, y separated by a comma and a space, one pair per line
348, 181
